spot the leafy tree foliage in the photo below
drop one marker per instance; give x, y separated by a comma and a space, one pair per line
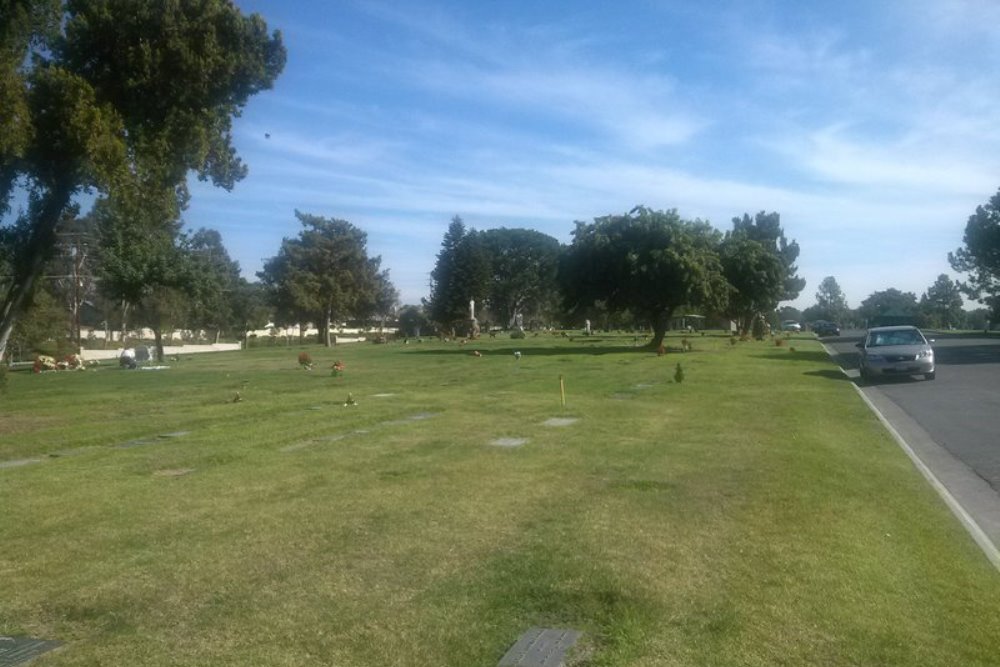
118, 95
980, 256
43, 329
889, 301
649, 262
212, 282
765, 229
523, 267
941, 304
382, 300
325, 274
250, 308
789, 313
978, 318
462, 272
756, 277
830, 302
141, 265
413, 321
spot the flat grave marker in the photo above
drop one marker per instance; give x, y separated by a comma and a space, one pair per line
540, 647
508, 442
17, 463
19, 650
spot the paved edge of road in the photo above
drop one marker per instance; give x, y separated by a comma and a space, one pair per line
974, 490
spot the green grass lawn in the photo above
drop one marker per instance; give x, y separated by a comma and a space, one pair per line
755, 514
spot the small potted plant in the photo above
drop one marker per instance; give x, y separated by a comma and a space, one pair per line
305, 361
337, 369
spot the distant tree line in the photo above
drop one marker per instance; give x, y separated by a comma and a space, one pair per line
638, 269
940, 307
78, 117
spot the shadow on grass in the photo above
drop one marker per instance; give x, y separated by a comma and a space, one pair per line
816, 356
829, 374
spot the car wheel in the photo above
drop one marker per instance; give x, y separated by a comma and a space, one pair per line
930, 376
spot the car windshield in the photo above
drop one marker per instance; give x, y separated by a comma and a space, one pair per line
904, 337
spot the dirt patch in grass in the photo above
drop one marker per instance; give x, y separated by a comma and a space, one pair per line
173, 472
18, 424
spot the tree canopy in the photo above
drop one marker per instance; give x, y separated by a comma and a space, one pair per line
756, 277
325, 274
649, 262
831, 304
980, 256
941, 304
523, 267
765, 229
888, 302
125, 96
462, 272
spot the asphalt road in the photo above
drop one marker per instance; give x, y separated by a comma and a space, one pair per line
960, 409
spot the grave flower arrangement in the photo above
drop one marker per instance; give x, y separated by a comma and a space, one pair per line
305, 361
44, 362
337, 369
71, 362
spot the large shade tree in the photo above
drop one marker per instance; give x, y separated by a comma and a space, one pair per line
980, 256
122, 96
523, 267
889, 302
141, 265
941, 304
214, 283
831, 304
756, 278
325, 274
647, 262
765, 229
461, 274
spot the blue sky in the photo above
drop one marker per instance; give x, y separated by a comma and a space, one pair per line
871, 127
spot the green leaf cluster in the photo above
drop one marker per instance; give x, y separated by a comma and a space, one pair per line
325, 275
980, 256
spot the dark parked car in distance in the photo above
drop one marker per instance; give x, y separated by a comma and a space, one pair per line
824, 328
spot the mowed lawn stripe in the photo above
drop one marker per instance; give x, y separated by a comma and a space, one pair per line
754, 514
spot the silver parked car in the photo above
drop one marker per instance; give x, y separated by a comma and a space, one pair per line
900, 350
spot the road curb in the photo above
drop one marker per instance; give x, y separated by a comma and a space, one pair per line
975, 531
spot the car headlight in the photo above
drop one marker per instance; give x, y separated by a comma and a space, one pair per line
925, 354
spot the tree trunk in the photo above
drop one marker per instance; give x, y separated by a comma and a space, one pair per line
38, 249
124, 323
660, 324
158, 337
325, 334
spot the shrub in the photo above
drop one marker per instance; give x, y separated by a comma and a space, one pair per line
758, 328
517, 334
779, 342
